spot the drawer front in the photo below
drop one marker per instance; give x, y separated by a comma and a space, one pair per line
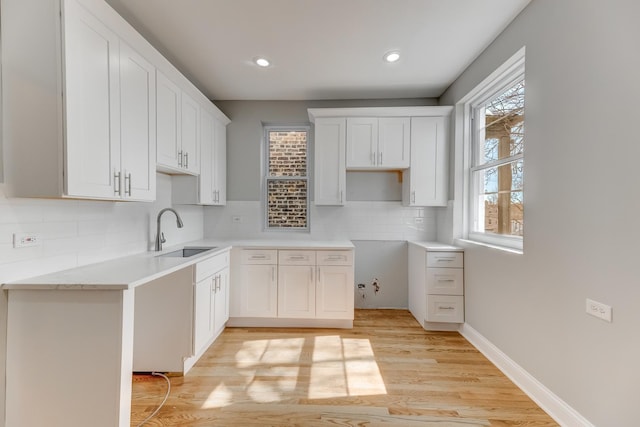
445, 259
297, 257
210, 266
445, 308
445, 281
334, 257
259, 256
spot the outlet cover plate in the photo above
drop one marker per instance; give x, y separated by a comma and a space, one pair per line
599, 310
22, 240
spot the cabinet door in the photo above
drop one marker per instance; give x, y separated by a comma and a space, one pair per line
259, 290
205, 182
362, 142
203, 312
394, 142
168, 122
427, 174
219, 177
137, 125
296, 291
92, 145
221, 304
330, 167
190, 114
334, 292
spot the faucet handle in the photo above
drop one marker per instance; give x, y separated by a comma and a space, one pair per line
162, 239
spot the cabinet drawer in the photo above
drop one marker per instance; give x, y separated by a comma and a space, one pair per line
210, 266
334, 257
297, 257
259, 256
445, 281
445, 259
445, 308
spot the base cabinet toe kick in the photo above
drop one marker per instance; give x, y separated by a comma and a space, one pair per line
284, 287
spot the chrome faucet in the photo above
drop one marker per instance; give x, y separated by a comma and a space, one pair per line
159, 235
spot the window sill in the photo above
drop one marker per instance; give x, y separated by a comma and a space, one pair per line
488, 245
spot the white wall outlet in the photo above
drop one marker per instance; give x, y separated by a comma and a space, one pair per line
21, 240
599, 310
418, 220
236, 219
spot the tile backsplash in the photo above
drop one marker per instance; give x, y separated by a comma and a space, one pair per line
79, 232
357, 220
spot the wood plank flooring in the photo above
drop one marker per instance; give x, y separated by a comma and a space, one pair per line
386, 371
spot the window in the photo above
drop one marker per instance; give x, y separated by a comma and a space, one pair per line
495, 160
286, 182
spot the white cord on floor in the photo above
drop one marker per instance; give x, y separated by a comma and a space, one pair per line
158, 374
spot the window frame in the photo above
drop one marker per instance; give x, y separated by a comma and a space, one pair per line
501, 79
266, 178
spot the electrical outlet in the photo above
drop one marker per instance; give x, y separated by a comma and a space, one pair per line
236, 219
361, 285
418, 220
21, 240
599, 310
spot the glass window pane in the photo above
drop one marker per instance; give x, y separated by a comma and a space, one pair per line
287, 153
287, 203
500, 203
500, 132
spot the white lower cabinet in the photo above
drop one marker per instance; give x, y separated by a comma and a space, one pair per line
178, 316
436, 285
292, 286
211, 301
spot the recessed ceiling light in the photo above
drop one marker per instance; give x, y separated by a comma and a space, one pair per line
262, 62
392, 56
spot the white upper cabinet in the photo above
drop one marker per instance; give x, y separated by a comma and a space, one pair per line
189, 127
137, 125
378, 143
425, 182
177, 129
169, 134
210, 186
93, 97
108, 108
330, 169
91, 87
219, 176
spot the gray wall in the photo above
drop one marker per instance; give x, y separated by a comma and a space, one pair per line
582, 202
244, 138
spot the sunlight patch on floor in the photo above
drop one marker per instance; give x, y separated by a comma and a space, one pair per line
220, 397
344, 367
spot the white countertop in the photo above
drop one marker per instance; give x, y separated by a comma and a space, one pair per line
134, 270
435, 246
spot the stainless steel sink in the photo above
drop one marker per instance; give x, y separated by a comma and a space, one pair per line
187, 252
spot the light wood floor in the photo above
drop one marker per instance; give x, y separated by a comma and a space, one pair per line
385, 371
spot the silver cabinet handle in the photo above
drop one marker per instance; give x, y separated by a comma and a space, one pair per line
341, 197
380, 161
273, 274
311, 273
180, 158
186, 160
258, 257
413, 196
127, 184
446, 308
116, 183
297, 257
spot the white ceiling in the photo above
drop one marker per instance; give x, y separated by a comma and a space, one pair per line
320, 49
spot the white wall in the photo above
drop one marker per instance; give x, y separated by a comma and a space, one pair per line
582, 202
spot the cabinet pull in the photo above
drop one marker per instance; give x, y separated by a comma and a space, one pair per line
373, 158
127, 184
380, 162
341, 198
445, 259
336, 258
413, 196
186, 160
446, 280
180, 158
297, 257
446, 308
258, 257
273, 274
311, 273
116, 183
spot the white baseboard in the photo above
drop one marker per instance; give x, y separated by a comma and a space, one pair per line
557, 408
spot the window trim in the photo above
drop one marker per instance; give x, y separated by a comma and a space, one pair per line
505, 75
266, 178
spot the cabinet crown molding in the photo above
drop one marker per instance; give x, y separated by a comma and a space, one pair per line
425, 111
